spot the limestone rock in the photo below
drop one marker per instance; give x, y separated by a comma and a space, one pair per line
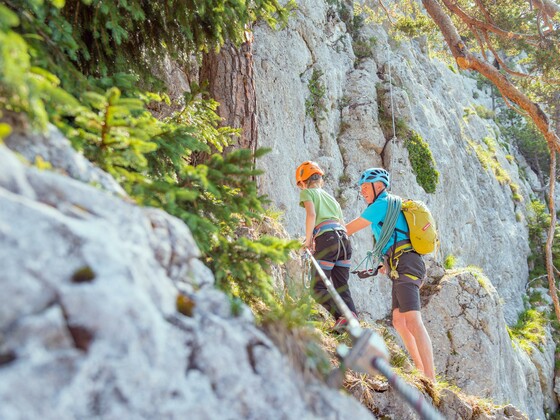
88, 319
55, 149
472, 349
476, 215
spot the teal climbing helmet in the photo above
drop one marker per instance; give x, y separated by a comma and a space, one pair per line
374, 175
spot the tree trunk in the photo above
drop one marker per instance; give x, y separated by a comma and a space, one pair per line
229, 75
550, 269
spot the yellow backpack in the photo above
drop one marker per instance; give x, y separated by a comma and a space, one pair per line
423, 234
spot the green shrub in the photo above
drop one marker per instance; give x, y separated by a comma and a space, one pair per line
314, 104
481, 278
364, 48
484, 112
489, 160
414, 26
467, 112
538, 222
419, 153
422, 161
77, 66
449, 262
529, 330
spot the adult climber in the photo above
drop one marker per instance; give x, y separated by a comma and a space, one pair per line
406, 268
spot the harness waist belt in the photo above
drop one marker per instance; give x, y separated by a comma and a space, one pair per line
401, 247
326, 226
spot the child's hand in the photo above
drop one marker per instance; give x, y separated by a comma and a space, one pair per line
309, 245
381, 269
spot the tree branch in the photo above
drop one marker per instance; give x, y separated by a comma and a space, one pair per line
487, 26
503, 65
484, 11
513, 107
480, 43
466, 60
386, 11
550, 9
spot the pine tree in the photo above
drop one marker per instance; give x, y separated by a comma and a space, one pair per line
76, 65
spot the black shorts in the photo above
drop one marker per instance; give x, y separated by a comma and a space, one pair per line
406, 288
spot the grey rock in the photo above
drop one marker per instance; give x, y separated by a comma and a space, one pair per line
88, 320
56, 149
473, 350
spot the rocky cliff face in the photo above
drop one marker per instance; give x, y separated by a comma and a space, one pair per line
473, 350
90, 281
90, 325
88, 319
479, 221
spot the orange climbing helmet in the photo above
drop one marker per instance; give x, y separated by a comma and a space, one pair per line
306, 170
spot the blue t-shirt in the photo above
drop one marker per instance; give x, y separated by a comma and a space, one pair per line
376, 213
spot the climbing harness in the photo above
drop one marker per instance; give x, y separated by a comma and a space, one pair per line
339, 230
394, 259
373, 258
369, 355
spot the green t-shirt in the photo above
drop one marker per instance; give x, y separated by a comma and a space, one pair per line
326, 207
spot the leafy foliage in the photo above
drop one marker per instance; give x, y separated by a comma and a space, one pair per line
529, 330
449, 262
294, 326
538, 221
364, 48
516, 37
23, 85
529, 141
413, 27
422, 161
55, 58
102, 38
314, 104
406, 18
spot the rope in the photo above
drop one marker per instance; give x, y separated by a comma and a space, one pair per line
368, 260
394, 138
375, 256
394, 204
306, 273
391, 92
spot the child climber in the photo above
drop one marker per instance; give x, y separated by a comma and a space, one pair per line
406, 268
325, 236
